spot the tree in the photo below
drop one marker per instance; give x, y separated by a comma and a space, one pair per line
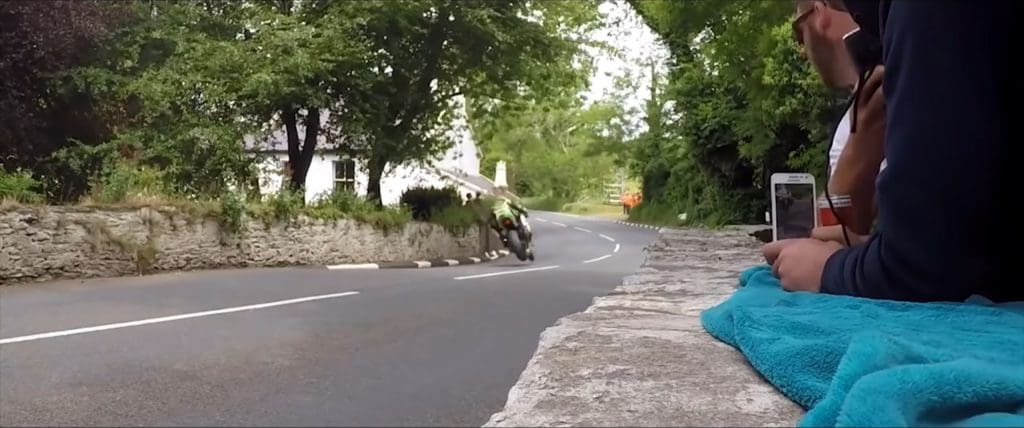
428, 52
554, 147
744, 105
204, 75
40, 41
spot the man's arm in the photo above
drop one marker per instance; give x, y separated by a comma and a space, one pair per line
858, 164
943, 62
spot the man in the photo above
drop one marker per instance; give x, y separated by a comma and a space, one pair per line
505, 207
854, 158
950, 87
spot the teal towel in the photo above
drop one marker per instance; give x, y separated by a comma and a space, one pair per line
856, 362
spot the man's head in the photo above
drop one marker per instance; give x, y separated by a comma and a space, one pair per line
819, 27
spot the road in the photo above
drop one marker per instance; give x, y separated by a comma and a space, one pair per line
299, 346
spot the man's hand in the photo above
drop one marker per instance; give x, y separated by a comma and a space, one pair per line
771, 250
835, 234
800, 262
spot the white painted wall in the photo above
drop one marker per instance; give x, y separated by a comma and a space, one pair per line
320, 179
462, 156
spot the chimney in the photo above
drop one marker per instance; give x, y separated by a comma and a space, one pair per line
500, 178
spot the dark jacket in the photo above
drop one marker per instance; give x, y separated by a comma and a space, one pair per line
952, 143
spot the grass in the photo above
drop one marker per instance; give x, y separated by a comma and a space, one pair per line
655, 214
588, 207
456, 219
546, 203
9, 204
593, 208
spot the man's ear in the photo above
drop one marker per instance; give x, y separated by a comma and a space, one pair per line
822, 17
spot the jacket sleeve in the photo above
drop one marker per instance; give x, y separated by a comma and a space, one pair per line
944, 62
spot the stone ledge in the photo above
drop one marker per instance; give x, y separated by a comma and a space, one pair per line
640, 357
45, 243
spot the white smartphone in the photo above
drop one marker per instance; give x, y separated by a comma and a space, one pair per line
794, 213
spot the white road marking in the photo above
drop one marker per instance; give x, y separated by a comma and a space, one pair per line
616, 248
597, 259
355, 266
542, 220
558, 224
451, 262
507, 272
582, 229
609, 238
422, 264
103, 327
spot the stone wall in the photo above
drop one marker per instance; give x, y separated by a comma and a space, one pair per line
640, 356
43, 243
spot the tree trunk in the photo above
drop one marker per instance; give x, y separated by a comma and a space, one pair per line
375, 168
312, 125
300, 152
289, 117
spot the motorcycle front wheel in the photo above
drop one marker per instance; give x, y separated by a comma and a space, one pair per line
516, 245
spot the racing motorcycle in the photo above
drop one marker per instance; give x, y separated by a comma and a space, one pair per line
517, 236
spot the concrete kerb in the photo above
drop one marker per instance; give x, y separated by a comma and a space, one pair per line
644, 226
422, 264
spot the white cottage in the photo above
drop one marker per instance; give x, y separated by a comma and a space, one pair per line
330, 169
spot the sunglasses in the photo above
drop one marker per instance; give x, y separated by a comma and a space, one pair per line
798, 35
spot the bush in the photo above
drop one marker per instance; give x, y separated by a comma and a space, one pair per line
339, 204
655, 213
232, 212
385, 219
124, 182
19, 186
283, 206
546, 203
457, 218
425, 201
342, 204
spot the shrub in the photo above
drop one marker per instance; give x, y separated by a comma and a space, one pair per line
124, 181
283, 206
546, 203
339, 204
425, 201
342, 204
19, 186
655, 213
232, 212
456, 218
385, 219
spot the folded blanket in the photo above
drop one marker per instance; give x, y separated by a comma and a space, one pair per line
859, 362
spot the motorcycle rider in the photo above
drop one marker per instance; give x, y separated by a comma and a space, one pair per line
506, 207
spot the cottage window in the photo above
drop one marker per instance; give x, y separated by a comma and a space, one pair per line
345, 174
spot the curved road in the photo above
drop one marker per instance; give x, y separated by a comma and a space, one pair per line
300, 346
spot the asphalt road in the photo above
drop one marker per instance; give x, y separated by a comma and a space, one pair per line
299, 346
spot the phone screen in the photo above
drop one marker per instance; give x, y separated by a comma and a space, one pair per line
794, 210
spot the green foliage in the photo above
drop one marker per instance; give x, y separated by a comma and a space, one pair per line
739, 105
233, 209
553, 148
544, 203
19, 186
431, 52
423, 202
456, 218
281, 207
442, 206
655, 213
342, 204
125, 181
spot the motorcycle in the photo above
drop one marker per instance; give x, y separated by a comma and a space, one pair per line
517, 237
